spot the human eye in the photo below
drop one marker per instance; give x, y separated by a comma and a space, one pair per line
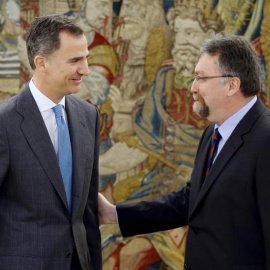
197, 78
75, 60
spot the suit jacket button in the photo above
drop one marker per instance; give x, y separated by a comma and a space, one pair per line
68, 254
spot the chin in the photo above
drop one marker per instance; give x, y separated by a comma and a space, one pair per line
75, 91
196, 107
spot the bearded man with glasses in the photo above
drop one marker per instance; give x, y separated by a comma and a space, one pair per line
227, 204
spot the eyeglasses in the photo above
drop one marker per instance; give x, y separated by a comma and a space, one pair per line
200, 79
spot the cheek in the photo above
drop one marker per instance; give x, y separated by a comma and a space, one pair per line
210, 100
203, 94
201, 100
216, 100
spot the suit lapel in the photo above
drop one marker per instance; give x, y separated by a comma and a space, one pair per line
232, 145
35, 132
198, 174
78, 135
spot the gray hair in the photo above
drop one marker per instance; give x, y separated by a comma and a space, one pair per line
236, 57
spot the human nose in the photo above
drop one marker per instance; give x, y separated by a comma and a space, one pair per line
194, 86
84, 70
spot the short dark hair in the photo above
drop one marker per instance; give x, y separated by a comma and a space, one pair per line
43, 35
237, 57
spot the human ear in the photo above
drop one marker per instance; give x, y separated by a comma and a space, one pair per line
40, 63
235, 83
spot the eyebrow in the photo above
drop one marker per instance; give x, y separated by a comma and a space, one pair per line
199, 72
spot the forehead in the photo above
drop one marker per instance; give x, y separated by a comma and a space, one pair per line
74, 45
207, 64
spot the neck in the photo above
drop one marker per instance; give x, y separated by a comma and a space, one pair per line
46, 91
233, 107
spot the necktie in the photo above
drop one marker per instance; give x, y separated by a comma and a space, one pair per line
64, 154
213, 149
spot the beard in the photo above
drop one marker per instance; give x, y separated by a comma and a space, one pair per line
200, 107
185, 58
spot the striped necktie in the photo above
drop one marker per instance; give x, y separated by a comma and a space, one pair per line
64, 154
213, 150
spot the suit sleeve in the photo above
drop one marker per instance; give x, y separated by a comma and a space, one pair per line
164, 213
90, 218
263, 194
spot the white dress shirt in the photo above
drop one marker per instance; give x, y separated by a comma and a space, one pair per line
45, 106
227, 128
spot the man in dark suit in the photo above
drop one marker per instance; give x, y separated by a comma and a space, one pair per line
227, 205
43, 224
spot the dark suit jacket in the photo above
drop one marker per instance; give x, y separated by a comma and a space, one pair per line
228, 212
37, 232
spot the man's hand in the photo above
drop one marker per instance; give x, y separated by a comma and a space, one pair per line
106, 211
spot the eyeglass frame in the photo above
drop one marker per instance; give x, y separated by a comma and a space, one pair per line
200, 78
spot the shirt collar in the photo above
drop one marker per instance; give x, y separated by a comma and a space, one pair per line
227, 128
42, 101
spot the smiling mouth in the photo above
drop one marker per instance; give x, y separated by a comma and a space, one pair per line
77, 81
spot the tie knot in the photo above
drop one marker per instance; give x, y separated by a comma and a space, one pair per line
58, 110
216, 135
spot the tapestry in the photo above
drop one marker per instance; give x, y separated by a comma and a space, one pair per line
142, 59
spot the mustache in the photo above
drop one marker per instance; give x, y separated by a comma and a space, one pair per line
200, 107
198, 97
